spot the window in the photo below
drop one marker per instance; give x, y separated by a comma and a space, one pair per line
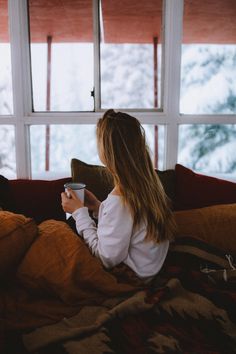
208, 70
75, 141
155, 141
7, 152
7, 133
130, 54
66, 142
6, 103
169, 63
61, 43
208, 74
208, 148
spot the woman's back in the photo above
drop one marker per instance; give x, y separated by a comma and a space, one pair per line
144, 257
115, 240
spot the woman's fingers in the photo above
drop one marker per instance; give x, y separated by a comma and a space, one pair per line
70, 204
90, 197
63, 196
88, 194
72, 193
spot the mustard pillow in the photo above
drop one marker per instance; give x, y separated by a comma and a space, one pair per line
215, 225
17, 233
59, 263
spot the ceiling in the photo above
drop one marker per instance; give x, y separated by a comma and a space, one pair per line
125, 21
210, 21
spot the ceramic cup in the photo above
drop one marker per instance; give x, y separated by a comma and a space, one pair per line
78, 188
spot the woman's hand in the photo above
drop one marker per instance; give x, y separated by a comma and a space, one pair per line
72, 203
91, 201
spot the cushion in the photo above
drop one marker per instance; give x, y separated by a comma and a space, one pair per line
16, 235
59, 263
167, 179
96, 178
99, 180
215, 225
194, 190
4, 193
38, 199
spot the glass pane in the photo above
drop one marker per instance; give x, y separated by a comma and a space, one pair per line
61, 36
131, 53
7, 151
155, 141
51, 157
6, 102
208, 71
208, 148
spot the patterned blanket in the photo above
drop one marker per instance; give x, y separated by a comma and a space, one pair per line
190, 307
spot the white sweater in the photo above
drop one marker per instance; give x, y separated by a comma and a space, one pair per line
114, 240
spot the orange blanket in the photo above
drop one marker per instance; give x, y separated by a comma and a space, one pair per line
57, 276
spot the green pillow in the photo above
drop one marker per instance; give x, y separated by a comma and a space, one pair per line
96, 178
99, 180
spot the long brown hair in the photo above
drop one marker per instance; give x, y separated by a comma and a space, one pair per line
122, 146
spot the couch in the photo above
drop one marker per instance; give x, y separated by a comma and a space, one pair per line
57, 298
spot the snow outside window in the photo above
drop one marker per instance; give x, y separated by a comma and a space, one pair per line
7, 151
208, 77
74, 141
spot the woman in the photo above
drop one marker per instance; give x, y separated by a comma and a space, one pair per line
135, 223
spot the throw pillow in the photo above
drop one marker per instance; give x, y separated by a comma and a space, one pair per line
194, 190
4, 193
60, 264
16, 235
39, 199
167, 179
215, 225
99, 180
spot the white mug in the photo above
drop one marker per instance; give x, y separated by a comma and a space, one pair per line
78, 188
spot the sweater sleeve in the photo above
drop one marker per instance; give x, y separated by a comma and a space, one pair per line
111, 238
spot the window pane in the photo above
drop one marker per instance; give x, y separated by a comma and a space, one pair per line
7, 151
155, 141
6, 103
52, 159
208, 71
62, 55
208, 148
130, 53
66, 142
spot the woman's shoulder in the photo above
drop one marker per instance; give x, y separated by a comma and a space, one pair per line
115, 201
114, 208
116, 192
114, 197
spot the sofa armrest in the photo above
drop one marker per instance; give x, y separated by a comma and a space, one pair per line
39, 199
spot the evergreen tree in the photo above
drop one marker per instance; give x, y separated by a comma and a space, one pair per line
211, 147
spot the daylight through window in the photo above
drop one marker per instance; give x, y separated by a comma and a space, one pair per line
170, 63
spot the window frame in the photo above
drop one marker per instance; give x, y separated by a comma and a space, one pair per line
169, 116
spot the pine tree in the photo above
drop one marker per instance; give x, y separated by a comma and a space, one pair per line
211, 147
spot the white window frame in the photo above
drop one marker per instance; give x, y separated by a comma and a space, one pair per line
170, 117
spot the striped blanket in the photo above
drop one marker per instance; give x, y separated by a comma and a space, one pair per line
190, 307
